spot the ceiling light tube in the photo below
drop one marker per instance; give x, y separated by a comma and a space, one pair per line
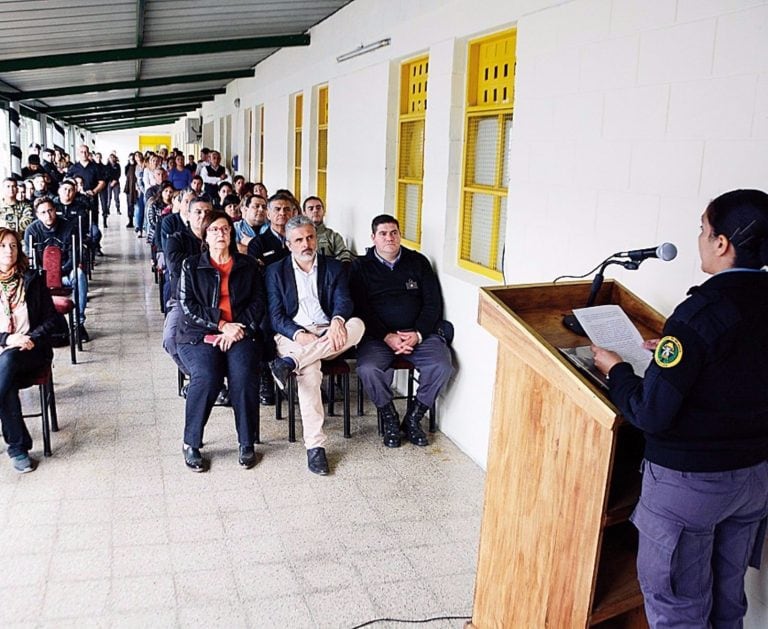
362, 49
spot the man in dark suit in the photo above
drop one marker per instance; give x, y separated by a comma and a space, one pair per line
310, 309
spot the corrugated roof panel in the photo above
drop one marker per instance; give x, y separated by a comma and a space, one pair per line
30, 29
40, 26
71, 75
212, 63
178, 20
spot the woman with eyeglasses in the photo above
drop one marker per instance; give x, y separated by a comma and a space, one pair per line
223, 302
703, 408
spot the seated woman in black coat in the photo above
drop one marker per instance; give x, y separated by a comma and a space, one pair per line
27, 318
223, 302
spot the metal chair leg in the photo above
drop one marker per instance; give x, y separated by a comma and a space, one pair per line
72, 338
46, 421
345, 388
52, 406
291, 409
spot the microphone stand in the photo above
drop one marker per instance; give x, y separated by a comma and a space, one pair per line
570, 321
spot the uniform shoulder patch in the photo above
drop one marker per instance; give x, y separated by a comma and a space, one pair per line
669, 352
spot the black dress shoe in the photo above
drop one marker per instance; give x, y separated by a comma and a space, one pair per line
281, 372
83, 334
193, 458
247, 457
316, 461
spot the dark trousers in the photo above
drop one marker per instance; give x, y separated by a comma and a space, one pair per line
432, 359
104, 201
13, 364
208, 366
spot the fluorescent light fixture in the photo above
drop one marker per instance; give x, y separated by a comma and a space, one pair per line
362, 49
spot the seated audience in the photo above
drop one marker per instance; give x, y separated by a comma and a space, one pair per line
398, 297
51, 230
222, 299
158, 206
230, 204
310, 310
14, 214
329, 243
27, 318
254, 211
185, 243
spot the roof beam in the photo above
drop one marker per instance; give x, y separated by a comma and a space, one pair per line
102, 105
131, 123
185, 104
127, 85
98, 116
153, 52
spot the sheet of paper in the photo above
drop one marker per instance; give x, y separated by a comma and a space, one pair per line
610, 328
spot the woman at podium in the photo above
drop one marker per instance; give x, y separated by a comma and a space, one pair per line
703, 407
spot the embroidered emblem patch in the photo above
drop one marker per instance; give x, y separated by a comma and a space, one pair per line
411, 285
669, 352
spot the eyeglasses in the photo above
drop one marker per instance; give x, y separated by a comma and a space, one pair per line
219, 230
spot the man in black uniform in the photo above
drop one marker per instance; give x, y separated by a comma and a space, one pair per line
93, 179
398, 297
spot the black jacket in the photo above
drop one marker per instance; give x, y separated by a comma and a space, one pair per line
703, 402
179, 247
199, 292
60, 235
405, 298
43, 318
332, 290
267, 248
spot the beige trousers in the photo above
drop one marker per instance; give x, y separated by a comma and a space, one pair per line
309, 376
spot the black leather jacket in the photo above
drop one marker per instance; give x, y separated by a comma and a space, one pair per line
199, 293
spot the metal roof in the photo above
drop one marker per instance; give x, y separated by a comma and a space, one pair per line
92, 63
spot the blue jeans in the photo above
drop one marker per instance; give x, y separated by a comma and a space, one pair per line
14, 363
208, 366
432, 359
82, 291
138, 213
698, 533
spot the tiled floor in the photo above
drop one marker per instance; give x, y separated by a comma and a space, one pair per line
113, 530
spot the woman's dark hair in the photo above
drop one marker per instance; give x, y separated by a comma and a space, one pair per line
742, 217
159, 194
216, 215
22, 262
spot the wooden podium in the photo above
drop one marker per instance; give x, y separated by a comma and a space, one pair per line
556, 547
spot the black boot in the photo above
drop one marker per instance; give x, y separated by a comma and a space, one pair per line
391, 423
411, 423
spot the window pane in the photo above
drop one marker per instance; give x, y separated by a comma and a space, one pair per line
481, 212
322, 149
412, 149
484, 133
408, 212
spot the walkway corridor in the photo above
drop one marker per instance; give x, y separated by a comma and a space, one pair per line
114, 530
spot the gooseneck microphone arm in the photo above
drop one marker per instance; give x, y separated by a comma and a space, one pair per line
597, 282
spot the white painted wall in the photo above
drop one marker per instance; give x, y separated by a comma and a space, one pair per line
629, 116
126, 141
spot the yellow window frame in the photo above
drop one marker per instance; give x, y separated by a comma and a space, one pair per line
298, 115
322, 142
414, 77
490, 94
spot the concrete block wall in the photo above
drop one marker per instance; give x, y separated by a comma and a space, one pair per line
630, 116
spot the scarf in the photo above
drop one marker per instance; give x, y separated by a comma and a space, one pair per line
11, 295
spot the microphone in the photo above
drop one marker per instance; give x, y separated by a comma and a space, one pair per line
666, 251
